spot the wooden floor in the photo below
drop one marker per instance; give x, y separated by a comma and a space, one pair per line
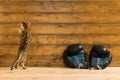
45, 73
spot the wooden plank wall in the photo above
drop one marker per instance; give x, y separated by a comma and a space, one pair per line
55, 25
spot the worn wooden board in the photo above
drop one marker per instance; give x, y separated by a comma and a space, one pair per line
59, 18
81, 6
45, 73
60, 28
64, 39
50, 49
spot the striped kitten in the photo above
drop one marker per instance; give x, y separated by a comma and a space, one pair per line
25, 39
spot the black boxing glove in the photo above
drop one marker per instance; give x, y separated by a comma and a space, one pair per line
99, 57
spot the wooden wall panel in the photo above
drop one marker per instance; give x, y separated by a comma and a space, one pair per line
60, 28
44, 50
55, 25
65, 39
59, 6
59, 18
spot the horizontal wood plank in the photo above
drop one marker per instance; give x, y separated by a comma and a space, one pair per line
60, 6
50, 49
59, 28
64, 39
45, 73
44, 60
59, 18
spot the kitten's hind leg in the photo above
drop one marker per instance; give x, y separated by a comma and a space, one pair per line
17, 65
11, 68
24, 57
14, 64
16, 61
23, 65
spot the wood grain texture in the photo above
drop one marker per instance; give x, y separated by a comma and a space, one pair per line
50, 49
60, 28
59, 6
59, 18
45, 73
57, 23
65, 39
